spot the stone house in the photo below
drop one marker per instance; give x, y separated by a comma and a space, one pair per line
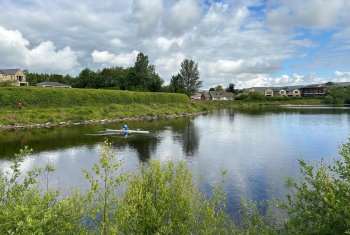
16, 76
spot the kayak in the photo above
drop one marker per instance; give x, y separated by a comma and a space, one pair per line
125, 131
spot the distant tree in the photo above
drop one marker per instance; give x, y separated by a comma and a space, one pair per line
177, 84
231, 88
330, 84
86, 78
337, 95
211, 89
143, 77
190, 76
141, 72
35, 78
219, 88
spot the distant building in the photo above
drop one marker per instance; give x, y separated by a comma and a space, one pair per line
16, 76
217, 95
318, 90
53, 84
196, 96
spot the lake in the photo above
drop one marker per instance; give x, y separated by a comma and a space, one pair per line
259, 148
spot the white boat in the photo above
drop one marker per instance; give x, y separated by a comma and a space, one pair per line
125, 131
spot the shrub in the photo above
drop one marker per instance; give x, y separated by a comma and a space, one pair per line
241, 96
7, 83
256, 96
319, 203
162, 199
328, 99
24, 209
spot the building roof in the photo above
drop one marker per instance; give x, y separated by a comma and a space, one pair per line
53, 84
314, 86
9, 71
221, 94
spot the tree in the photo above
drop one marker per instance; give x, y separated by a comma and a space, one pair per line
219, 88
190, 76
176, 84
231, 88
144, 77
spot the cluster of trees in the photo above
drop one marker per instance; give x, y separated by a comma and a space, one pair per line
337, 94
141, 77
162, 199
230, 88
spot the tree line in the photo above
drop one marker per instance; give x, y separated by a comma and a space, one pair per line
140, 77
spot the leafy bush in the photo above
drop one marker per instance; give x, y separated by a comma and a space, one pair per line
328, 99
319, 203
25, 210
162, 199
337, 95
256, 96
241, 96
7, 83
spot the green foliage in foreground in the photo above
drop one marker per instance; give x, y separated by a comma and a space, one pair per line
319, 203
64, 98
161, 198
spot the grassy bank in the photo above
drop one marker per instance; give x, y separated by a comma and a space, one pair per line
37, 97
42, 105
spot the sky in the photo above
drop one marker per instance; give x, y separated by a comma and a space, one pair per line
245, 42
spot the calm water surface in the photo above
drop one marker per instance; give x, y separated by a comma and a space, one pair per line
258, 148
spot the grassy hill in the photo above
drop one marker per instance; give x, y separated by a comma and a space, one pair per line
37, 97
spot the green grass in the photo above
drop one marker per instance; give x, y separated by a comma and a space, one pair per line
36, 97
54, 105
80, 114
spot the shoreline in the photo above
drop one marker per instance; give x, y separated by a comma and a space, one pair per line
92, 122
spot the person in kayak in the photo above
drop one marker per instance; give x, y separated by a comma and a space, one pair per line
125, 128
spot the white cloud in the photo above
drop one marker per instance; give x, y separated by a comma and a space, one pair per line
182, 16
314, 14
117, 42
165, 44
341, 76
230, 41
102, 56
253, 65
15, 52
47, 57
146, 14
123, 59
169, 66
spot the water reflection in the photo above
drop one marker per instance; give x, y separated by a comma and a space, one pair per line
59, 139
188, 138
